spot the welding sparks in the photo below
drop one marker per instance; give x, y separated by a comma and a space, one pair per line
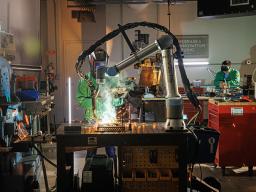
109, 112
111, 94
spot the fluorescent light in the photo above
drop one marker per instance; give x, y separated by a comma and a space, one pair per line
193, 62
69, 100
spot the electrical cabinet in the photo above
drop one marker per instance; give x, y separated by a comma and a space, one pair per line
236, 123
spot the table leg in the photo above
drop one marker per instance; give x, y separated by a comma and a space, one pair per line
61, 172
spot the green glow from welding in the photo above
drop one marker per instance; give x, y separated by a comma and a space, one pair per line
112, 94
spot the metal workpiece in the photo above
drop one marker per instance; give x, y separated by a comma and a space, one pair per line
40, 107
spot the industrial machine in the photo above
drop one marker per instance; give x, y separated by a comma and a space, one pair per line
156, 162
5, 79
10, 111
165, 45
20, 162
7, 46
7, 54
17, 170
150, 73
173, 99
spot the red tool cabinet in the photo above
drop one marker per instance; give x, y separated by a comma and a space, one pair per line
188, 107
236, 122
190, 110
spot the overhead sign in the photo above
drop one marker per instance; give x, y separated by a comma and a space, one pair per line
194, 46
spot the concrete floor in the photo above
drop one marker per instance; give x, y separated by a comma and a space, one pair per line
237, 179
49, 151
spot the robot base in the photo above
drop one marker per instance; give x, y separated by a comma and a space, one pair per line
174, 125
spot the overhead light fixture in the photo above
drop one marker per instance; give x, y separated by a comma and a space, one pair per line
69, 101
86, 5
138, 7
83, 11
83, 16
193, 62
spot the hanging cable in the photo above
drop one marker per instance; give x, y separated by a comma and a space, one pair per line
169, 14
170, 3
41, 154
55, 38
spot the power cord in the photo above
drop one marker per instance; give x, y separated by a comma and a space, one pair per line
201, 172
52, 189
41, 154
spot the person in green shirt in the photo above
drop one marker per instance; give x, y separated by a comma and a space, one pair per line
228, 77
96, 107
85, 100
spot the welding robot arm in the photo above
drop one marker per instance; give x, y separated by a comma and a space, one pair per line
141, 54
162, 43
174, 105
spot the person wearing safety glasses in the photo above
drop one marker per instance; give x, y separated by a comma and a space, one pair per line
228, 77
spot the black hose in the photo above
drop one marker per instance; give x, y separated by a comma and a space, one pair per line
192, 97
41, 154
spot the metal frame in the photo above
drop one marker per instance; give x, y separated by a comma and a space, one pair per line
181, 139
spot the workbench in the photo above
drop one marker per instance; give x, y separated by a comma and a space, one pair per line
236, 123
144, 137
38, 110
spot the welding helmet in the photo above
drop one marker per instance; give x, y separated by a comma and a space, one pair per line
225, 68
226, 65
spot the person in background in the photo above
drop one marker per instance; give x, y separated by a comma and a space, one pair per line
228, 77
84, 97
